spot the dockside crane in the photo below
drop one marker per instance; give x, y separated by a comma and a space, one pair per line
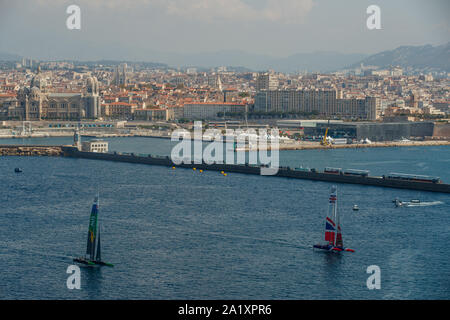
325, 142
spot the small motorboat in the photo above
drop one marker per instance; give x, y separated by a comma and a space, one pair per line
355, 207
398, 203
416, 203
18, 170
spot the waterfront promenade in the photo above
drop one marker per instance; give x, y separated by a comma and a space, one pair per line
316, 145
290, 145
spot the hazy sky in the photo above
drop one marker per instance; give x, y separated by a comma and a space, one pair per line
143, 29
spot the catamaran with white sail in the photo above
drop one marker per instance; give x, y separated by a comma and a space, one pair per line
333, 230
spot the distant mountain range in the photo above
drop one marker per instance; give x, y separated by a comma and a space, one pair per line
316, 61
426, 58
9, 57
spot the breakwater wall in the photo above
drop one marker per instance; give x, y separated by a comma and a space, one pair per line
285, 172
21, 150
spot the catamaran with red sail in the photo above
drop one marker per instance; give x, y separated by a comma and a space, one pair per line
333, 230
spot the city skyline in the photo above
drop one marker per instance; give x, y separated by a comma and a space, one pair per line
159, 30
236, 156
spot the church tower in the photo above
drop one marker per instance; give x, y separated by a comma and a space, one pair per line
92, 99
31, 99
120, 75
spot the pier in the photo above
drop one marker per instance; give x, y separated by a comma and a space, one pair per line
285, 172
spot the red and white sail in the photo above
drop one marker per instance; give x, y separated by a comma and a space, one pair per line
333, 232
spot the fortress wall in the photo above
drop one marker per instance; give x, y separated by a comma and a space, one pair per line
442, 130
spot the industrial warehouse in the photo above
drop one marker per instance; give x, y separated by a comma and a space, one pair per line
374, 131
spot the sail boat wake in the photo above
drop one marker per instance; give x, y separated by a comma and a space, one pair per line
333, 231
93, 255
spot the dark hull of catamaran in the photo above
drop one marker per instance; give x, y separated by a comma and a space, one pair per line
92, 262
329, 247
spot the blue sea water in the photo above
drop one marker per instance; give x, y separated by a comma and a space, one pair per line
182, 234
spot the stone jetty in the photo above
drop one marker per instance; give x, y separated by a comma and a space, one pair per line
16, 150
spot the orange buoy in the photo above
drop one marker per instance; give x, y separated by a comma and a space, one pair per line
201, 170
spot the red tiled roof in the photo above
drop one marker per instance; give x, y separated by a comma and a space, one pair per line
221, 103
121, 104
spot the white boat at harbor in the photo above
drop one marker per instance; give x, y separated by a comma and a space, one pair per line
415, 203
